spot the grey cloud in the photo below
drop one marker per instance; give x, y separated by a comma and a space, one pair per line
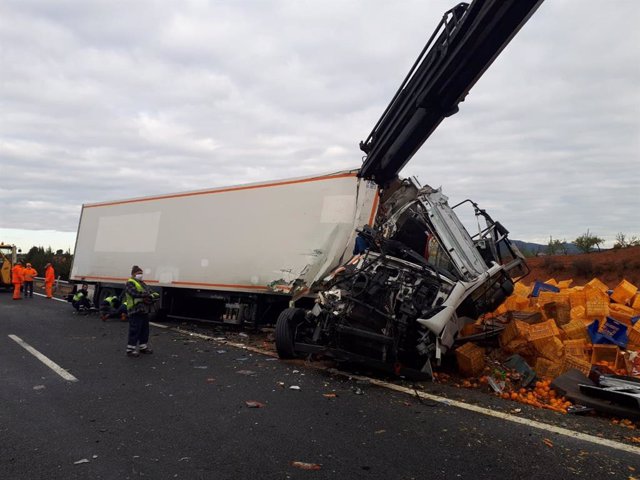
105, 100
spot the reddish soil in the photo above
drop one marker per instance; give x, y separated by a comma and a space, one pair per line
610, 266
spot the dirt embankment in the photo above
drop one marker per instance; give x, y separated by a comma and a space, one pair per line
610, 266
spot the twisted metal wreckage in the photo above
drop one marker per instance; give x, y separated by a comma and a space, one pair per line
402, 301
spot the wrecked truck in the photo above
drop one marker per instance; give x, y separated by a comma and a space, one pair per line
281, 251
403, 301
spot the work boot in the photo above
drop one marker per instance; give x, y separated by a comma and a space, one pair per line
146, 350
123, 317
132, 353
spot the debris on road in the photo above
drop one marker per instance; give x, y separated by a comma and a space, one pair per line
305, 465
80, 462
551, 328
294, 387
254, 404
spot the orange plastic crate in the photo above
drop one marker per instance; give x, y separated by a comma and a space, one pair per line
577, 313
579, 364
470, 359
547, 297
634, 335
547, 369
576, 329
543, 330
635, 302
596, 283
550, 347
597, 306
606, 355
514, 329
622, 313
624, 292
565, 283
578, 348
577, 298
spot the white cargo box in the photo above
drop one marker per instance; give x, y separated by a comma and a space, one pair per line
248, 238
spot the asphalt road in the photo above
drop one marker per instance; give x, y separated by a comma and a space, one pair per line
182, 413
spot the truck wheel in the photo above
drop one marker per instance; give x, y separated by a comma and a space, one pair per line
286, 325
104, 293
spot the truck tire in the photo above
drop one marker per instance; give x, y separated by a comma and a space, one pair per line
286, 325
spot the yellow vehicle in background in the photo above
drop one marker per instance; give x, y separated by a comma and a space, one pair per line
8, 258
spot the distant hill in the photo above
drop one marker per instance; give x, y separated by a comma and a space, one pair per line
529, 248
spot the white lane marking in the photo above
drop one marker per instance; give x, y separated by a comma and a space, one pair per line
447, 401
506, 416
52, 298
154, 324
49, 363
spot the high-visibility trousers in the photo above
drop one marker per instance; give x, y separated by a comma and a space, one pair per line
16, 291
48, 288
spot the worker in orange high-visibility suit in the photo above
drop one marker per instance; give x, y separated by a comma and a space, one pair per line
17, 278
49, 278
29, 273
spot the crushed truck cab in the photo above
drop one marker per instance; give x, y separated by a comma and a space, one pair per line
403, 301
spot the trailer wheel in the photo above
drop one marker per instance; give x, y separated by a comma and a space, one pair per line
286, 325
104, 293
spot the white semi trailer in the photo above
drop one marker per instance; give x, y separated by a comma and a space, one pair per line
283, 249
247, 247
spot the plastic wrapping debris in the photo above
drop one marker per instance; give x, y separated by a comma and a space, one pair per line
254, 404
294, 387
80, 462
496, 385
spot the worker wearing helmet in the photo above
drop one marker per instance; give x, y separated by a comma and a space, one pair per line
29, 274
17, 277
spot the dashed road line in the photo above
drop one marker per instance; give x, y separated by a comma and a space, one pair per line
52, 298
44, 359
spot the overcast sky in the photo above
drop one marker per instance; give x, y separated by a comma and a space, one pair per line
101, 100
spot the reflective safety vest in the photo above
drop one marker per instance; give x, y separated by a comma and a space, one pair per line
110, 300
129, 301
78, 296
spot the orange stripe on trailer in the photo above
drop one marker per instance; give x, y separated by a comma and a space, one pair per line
223, 190
219, 285
119, 279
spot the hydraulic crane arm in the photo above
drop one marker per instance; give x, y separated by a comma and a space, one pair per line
465, 43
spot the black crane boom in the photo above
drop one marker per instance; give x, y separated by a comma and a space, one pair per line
465, 43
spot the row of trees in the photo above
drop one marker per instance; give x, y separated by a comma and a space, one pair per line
587, 242
38, 257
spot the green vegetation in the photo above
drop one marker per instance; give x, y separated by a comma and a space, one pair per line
623, 242
556, 247
587, 242
38, 257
